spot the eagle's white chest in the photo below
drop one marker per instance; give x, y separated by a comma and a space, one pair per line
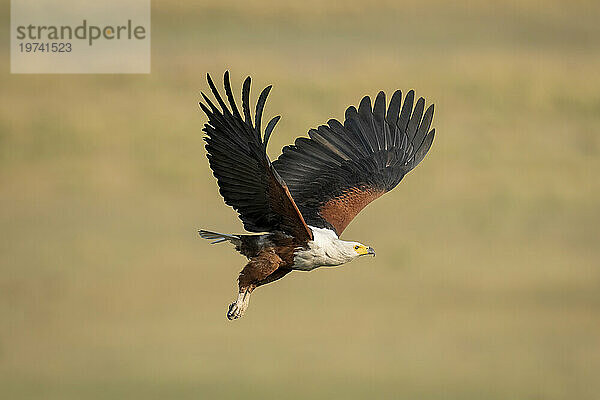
326, 249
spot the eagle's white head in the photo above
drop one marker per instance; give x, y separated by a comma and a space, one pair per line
353, 250
326, 249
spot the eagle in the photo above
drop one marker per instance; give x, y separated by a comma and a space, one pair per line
299, 205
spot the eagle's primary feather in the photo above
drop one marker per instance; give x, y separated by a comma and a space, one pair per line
306, 198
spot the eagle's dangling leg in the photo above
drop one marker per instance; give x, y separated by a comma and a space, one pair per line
238, 307
253, 275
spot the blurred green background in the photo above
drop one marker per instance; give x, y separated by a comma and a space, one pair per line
487, 280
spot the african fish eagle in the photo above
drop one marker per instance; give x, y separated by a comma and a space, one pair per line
301, 202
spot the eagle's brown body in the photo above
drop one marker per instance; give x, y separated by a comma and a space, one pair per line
270, 257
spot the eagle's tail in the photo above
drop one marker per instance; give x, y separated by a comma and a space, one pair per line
219, 237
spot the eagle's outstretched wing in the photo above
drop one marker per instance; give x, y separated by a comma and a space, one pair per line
338, 171
237, 155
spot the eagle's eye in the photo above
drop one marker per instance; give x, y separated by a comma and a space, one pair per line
356, 247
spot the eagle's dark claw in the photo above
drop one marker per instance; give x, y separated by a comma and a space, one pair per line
232, 313
238, 307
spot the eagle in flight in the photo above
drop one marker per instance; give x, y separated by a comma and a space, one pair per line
301, 203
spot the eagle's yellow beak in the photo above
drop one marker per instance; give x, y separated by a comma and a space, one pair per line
364, 250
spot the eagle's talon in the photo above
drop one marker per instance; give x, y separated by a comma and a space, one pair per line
238, 307
231, 311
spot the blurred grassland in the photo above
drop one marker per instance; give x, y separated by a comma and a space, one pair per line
487, 280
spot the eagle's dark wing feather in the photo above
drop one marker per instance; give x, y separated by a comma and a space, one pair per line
338, 171
237, 155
